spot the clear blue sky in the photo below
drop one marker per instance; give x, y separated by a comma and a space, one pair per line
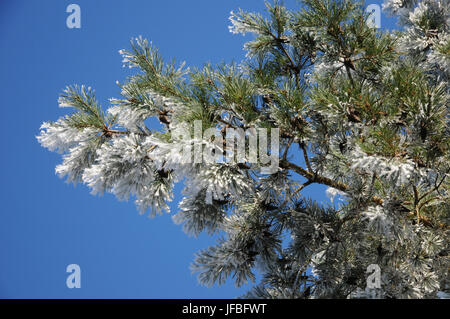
46, 224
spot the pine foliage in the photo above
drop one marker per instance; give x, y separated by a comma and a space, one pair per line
362, 111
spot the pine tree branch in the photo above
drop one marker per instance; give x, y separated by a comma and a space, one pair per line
305, 156
309, 182
288, 145
314, 178
435, 188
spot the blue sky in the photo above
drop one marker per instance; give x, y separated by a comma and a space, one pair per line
46, 224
